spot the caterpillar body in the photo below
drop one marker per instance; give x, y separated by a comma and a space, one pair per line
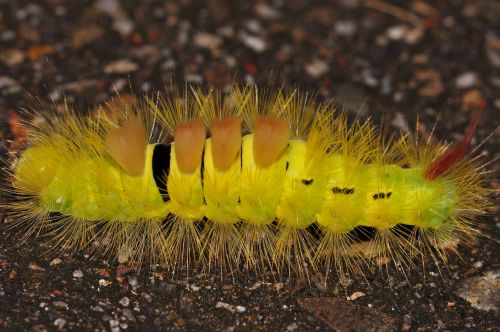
281, 181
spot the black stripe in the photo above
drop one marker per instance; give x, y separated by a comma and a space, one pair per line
202, 166
202, 170
161, 168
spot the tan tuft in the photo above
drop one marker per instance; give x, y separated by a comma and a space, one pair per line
189, 143
226, 141
127, 146
271, 138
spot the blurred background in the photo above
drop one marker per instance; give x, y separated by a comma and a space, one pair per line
393, 61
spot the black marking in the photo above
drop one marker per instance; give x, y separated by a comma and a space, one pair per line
161, 168
382, 195
307, 182
287, 165
344, 191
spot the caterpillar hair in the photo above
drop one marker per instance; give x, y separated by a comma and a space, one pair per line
244, 179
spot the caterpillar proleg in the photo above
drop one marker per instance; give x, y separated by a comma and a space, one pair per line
267, 180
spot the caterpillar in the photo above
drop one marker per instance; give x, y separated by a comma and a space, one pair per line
208, 179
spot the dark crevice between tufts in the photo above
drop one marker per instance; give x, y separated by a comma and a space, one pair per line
363, 233
403, 230
57, 216
315, 230
161, 168
202, 170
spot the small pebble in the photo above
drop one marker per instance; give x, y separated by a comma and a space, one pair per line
231, 308
396, 32
109, 7
317, 68
466, 80
414, 35
60, 323
194, 78
123, 254
129, 314
256, 285
368, 78
399, 121
104, 282
430, 83
345, 28
9, 85
122, 66
11, 57
132, 280
492, 48
106, 318
406, 325
36, 267
257, 44
147, 297
125, 301
77, 274
114, 325
355, 295
56, 261
97, 308
264, 10
60, 304
478, 264
123, 25
207, 40
497, 103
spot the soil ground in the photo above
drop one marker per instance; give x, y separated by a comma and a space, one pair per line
388, 60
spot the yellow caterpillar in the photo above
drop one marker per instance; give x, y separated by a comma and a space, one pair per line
282, 181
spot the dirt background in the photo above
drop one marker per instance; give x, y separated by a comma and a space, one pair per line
389, 60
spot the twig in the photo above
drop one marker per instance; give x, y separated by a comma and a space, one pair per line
395, 11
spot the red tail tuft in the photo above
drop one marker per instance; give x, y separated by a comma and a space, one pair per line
438, 167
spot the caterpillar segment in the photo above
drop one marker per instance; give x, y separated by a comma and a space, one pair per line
267, 181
